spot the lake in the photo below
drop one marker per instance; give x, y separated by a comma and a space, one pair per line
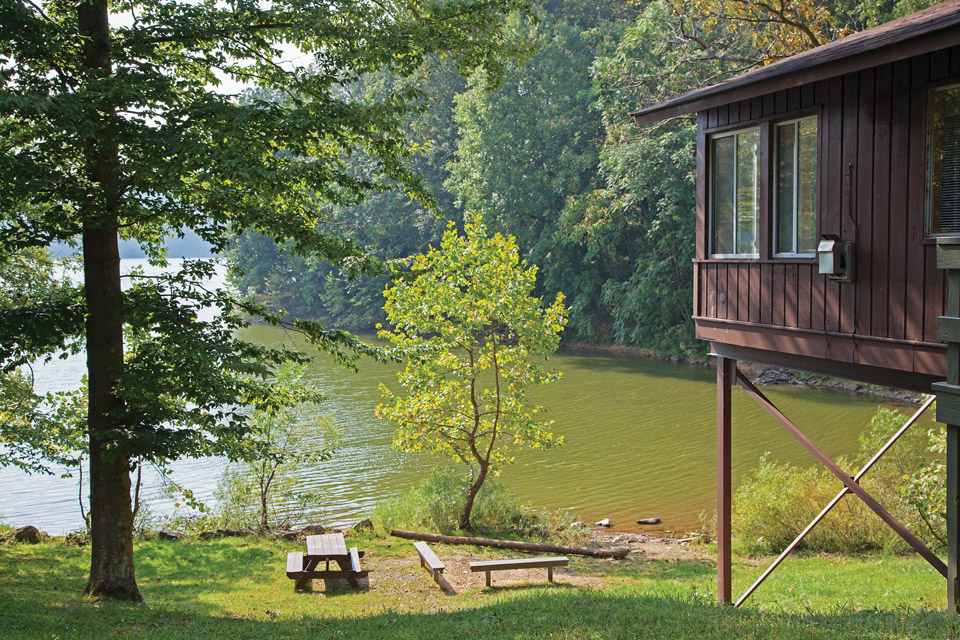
640, 442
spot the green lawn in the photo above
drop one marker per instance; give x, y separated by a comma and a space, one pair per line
236, 588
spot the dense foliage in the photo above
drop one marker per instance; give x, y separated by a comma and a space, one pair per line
552, 158
113, 129
773, 504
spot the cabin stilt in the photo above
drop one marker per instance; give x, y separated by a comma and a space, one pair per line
726, 377
948, 408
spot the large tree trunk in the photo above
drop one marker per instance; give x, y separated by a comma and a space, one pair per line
111, 516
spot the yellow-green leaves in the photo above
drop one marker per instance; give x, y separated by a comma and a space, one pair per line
473, 335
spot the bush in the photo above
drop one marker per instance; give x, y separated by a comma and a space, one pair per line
777, 501
435, 503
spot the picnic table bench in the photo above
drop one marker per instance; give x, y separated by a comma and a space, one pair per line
487, 566
429, 560
302, 567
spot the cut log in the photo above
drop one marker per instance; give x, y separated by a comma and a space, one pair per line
648, 521
510, 544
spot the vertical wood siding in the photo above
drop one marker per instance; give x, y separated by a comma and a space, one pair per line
871, 191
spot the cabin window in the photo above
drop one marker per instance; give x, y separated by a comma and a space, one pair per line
733, 193
795, 201
943, 167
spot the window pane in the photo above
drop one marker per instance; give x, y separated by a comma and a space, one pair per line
945, 163
722, 165
786, 149
747, 144
807, 188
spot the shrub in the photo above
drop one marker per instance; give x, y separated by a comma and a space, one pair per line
777, 501
436, 502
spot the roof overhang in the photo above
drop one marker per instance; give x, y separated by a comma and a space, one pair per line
937, 27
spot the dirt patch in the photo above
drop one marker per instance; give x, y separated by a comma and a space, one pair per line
655, 547
402, 575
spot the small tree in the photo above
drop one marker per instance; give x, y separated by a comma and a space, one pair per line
291, 436
472, 334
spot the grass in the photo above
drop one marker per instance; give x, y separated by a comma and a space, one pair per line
236, 588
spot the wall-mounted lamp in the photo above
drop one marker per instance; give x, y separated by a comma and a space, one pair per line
835, 258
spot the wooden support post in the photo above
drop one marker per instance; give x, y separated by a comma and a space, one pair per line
948, 409
726, 377
953, 513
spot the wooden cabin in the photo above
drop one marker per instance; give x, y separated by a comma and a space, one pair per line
827, 186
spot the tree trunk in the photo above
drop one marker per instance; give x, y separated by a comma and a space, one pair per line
111, 516
471, 496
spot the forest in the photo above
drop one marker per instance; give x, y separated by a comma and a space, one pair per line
549, 154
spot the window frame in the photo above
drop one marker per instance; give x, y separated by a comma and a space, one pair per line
774, 181
929, 147
711, 138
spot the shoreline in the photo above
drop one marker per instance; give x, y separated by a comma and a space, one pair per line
762, 375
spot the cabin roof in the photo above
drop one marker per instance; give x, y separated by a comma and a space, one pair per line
922, 32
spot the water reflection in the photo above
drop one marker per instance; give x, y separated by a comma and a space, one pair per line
639, 433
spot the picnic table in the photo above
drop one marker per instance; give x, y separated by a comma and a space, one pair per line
323, 548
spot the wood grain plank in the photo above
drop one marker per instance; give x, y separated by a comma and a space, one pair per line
793, 98
864, 207
818, 284
780, 102
818, 296
766, 293
939, 65
880, 228
768, 105
791, 299
711, 290
899, 168
744, 296
916, 273
779, 283
805, 275
848, 228
806, 95
722, 296
723, 115
755, 293
733, 291
833, 173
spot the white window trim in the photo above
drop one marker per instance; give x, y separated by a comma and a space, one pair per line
710, 210
796, 177
928, 168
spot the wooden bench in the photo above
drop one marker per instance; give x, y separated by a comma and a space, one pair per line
487, 566
429, 559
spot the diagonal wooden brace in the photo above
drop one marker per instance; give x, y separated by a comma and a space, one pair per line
849, 482
834, 502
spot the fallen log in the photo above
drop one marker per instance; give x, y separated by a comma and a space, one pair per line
510, 544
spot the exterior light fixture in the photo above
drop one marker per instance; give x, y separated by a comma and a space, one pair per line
835, 258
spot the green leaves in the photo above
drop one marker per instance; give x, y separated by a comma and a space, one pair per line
473, 337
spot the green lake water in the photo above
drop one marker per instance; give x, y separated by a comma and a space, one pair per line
640, 438
640, 442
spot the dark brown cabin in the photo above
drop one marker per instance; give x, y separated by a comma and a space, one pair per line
825, 183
